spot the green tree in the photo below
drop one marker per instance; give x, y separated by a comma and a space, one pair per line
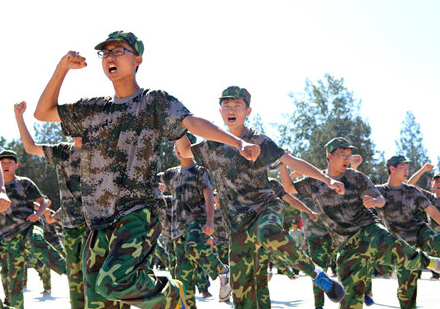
327, 109
410, 144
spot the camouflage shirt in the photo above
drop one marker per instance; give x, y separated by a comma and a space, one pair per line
277, 187
342, 215
435, 201
120, 150
400, 210
66, 159
186, 185
311, 228
221, 234
22, 192
168, 228
243, 185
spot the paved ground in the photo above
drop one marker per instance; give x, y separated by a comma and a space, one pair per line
285, 293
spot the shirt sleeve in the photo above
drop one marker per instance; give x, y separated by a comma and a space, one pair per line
204, 179
201, 153
71, 118
270, 152
277, 188
303, 188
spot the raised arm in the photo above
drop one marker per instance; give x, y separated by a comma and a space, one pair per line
4, 199
26, 138
433, 212
47, 105
416, 176
209, 131
307, 169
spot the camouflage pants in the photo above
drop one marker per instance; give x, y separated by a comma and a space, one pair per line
74, 241
192, 251
428, 240
162, 254
262, 289
202, 280
372, 242
4, 270
116, 265
40, 249
267, 232
321, 249
222, 251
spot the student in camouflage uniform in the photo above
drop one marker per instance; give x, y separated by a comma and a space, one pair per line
400, 215
23, 225
356, 232
121, 137
66, 159
191, 190
253, 212
4, 205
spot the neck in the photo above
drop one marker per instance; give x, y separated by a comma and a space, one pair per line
332, 172
9, 178
236, 131
394, 182
184, 162
124, 88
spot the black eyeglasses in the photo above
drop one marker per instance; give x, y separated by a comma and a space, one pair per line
117, 51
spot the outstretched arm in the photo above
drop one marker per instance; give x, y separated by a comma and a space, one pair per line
47, 105
286, 180
209, 131
416, 176
307, 169
293, 201
26, 138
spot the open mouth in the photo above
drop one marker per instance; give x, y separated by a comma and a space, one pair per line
232, 118
112, 68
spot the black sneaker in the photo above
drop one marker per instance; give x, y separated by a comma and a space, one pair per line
334, 289
368, 300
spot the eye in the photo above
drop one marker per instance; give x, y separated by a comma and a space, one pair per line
118, 51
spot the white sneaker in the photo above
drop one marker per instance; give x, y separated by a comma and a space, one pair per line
225, 287
436, 268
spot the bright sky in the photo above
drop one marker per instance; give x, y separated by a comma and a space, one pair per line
386, 51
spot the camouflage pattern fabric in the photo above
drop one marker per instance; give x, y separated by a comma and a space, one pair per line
4, 269
267, 232
322, 250
116, 265
186, 185
372, 242
22, 192
222, 252
435, 201
262, 259
202, 280
398, 213
74, 242
221, 234
39, 248
44, 273
120, 150
342, 215
66, 159
311, 228
242, 185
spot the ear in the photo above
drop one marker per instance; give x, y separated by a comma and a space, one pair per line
249, 111
328, 156
138, 60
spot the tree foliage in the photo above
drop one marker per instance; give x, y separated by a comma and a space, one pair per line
410, 144
327, 109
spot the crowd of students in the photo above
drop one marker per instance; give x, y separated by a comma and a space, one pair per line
114, 213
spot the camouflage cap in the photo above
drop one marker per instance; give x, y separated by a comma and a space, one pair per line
397, 159
8, 154
235, 92
337, 142
127, 37
437, 175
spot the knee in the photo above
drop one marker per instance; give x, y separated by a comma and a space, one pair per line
109, 284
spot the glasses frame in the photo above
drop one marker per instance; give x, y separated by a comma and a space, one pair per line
101, 54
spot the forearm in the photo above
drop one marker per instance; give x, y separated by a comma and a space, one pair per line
47, 109
296, 203
286, 180
26, 138
210, 209
184, 146
434, 213
209, 131
42, 205
416, 176
304, 168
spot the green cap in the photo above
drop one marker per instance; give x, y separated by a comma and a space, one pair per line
397, 159
337, 142
127, 37
235, 92
8, 154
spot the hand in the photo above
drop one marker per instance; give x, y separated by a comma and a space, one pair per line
20, 108
33, 218
72, 60
369, 201
428, 167
208, 229
337, 185
356, 160
250, 151
314, 216
4, 202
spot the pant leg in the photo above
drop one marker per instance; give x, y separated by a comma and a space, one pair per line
263, 295
202, 280
4, 268
185, 271
74, 241
199, 252
115, 263
16, 267
222, 252
407, 288
44, 273
44, 251
242, 270
269, 233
